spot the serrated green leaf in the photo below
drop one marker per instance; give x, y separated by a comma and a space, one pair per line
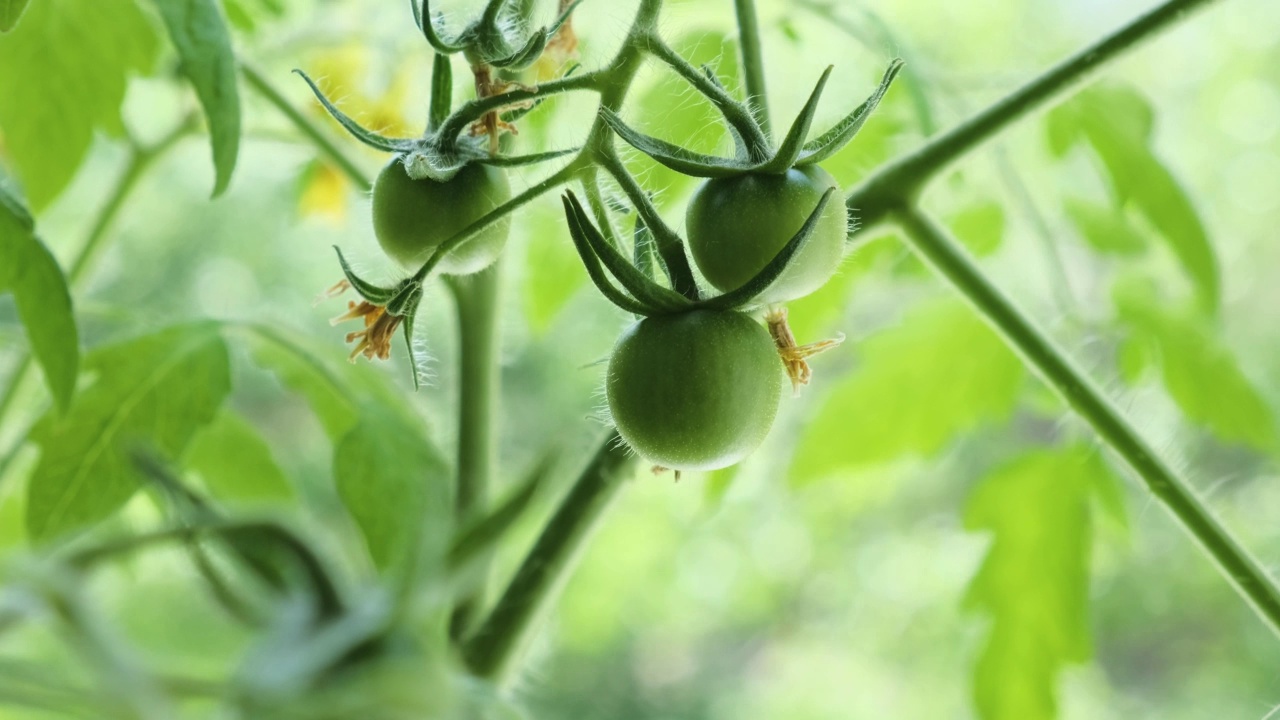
1118, 122
29, 271
204, 49
1105, 228
10, 11
66, 67
1200, 373
918, 385
395, 484
157, 390
1034, 581
235, 463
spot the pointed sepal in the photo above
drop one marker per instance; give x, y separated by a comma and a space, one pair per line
367, 290
592, 264
364, 135
437, 39
793, 144
673, 156
830, 142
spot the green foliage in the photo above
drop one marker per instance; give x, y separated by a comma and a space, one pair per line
204, 47
235, 462
66, 67
10, 11
153, 392
940, 373
395, 484
1034, 582
1199, 372
1106, 229
29, 271
1117, 123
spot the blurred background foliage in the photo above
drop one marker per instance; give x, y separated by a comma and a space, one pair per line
926, 533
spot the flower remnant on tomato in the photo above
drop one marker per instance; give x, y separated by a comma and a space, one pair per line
794, 356
374, 341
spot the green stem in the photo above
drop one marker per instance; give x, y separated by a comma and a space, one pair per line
1084, 396
306, 126
753, 63
905, 177
476, 299
491, 651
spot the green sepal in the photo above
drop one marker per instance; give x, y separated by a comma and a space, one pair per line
830, 142
739, 143
367, 290
592, 263
563, 18
410, 313
525, 56
793, 144
643, 252
368, 137
433, 36
743, 296
641, 287
406, 296
478, 538
514, 114
515, 160
685, 162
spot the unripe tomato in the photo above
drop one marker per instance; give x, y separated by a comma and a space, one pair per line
736, 225
412, 217
694, 391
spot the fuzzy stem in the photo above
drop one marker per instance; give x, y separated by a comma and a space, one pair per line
1075, 387
753, 63
492, 650
904, 178
479, 339
306, 126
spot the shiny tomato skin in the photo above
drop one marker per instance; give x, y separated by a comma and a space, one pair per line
736, 225
411, 218
694, 391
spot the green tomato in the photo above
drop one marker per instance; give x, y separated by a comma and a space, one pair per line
694, 391
736, 225
412, 217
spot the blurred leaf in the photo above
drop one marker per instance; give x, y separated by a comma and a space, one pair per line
10, 11
395, 484
158, 389
1199, 372
302, 371
1105, 228
1034, 582
483, 534
1117, 123
717, 483
204, 47
674, 111
940, 373
235, 463
29, 271
552, 270
66, 67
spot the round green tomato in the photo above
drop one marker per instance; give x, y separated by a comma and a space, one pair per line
694, 391
736, 225
412, 217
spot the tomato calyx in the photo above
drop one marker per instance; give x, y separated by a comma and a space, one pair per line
641, 294
384, 310
795, 150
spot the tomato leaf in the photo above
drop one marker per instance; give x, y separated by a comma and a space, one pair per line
302, 371
1117, 122
156, 390
918, 385
1199, 372
1034, 581
235, 463
204, 47
395, 484
29, 271
66, 67
10, 11
1105, 228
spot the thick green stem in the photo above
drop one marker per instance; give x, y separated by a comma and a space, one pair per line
1084, 396
753, 63
306, 126
905, 177
476, 299
492, 650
